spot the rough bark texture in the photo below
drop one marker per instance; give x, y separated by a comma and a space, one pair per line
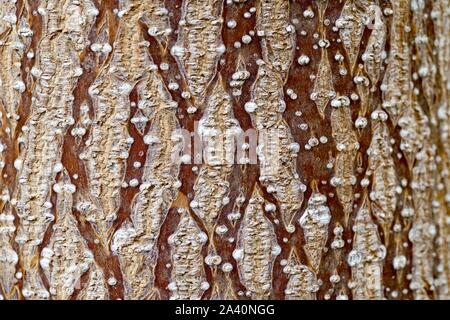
103, 197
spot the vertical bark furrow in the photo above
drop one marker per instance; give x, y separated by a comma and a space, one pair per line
199, 45
219, 131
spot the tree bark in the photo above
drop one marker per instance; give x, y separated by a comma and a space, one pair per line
224, 149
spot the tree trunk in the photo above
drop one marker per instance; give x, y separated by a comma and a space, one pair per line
224, 149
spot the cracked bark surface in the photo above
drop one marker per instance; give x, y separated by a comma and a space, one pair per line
224, 149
